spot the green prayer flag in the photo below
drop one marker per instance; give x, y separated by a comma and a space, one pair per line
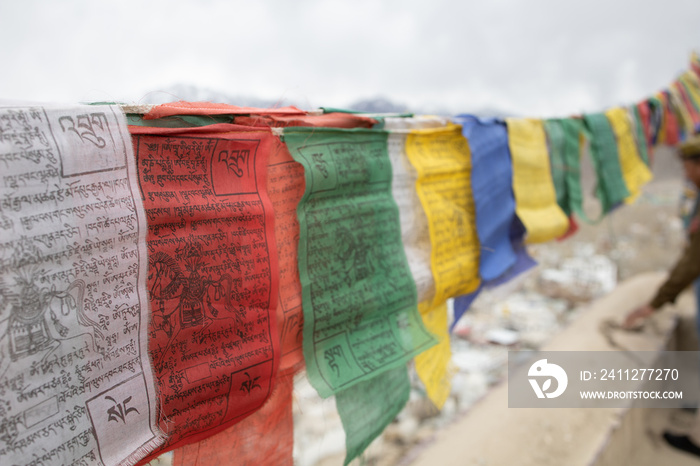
557, 146
563, 136
611, 189
639, 135
179, 121
367, 408
358, 295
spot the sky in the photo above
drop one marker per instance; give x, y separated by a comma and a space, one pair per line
530, 58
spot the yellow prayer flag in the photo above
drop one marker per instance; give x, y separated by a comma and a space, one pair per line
661, 132
433, 366
634, 171
681, 110
535, 197
694, 59
443, 162
692, 83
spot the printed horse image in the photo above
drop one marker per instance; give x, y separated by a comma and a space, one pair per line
196, 296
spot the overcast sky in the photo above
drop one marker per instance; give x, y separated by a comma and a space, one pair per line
528, 57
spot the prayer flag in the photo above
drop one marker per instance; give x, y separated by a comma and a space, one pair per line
268, 433
610, 189
367, 408
640, 134
656, 121
564, 140
358, 295
266, 437
432, 364
635, 173
502, 254
361, 322
415, 232
213, 274
492, 187
535, 197
671, 133
690, 107
76, 379
442, 160
691, 83
208, 109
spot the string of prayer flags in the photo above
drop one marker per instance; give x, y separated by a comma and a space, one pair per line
611, 189
162, 287
535, 197
212, 274
634, 171
74, 366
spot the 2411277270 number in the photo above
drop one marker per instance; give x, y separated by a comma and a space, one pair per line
637, 374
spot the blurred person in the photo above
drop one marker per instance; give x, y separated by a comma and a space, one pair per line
684, 272
689, 208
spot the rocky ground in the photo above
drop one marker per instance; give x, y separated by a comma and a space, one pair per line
524, 314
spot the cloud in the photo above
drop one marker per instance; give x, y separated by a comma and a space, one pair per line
541, 57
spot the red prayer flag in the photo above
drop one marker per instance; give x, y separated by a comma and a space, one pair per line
330, 120
286, 186
672, 136
573, 228
688, 104
264, 438
254, 438
212, 277
645, 118
209, 108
